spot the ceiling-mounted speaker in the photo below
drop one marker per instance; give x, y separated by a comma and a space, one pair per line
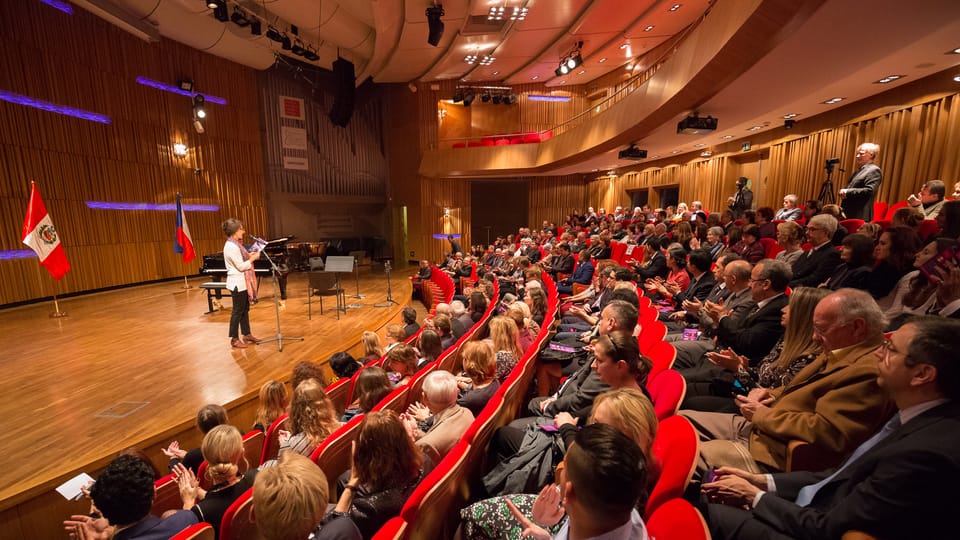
434, 24
344, 88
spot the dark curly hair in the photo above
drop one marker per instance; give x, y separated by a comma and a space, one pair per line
124, 491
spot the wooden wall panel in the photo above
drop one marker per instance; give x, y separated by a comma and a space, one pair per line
436, 195
553, 197
92, 65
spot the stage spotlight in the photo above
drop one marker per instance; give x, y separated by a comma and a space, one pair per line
286, 44
468, 98
497, 99
197, 125
198, 109
239, 18
434, 24
274, 34
256, 28
298, 48
510, 99
457, 96
311, 54
220, 12
485, 97
214, 4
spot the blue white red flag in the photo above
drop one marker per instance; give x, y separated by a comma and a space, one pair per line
182, 242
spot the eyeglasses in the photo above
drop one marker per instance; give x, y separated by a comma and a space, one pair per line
751, 280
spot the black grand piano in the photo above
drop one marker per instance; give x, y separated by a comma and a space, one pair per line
214, 265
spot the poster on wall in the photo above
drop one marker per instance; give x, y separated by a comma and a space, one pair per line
293, 134
292, 108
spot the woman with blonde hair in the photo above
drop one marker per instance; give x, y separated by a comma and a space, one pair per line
273, 404
223, 450
791, 354
789, 236
626, 409
480, 381
505, 341
386, 466
372, 349
312, 419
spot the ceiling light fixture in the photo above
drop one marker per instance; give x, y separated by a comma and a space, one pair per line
648, 28
487, 60
706, 153
311, 54
220, 12
725, 137
256, 27
675, 151
239, 18
570, 61
791, 115
699, 145
298, 48
519, 13
470, 59
274, 35
496, 13
198, 109
831, 101
889, 79
534, 77
468, 98
180, 150
602, 60
496, 73
214, 4
754, 128
957, 78
954, 51
674, 7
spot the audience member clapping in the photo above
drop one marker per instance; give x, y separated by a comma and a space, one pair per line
479, 380
208, 417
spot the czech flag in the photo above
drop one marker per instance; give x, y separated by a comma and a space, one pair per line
182, 242
40, 236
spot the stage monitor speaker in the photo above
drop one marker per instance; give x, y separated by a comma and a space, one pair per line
343, 92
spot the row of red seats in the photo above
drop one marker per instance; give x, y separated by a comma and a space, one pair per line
503, 140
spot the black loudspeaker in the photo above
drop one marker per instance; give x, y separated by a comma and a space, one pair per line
434, 24
343, 92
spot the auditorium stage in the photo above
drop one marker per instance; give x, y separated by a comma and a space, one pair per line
133, 366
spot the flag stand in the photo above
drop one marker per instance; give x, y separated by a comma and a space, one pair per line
185, 284
56, 308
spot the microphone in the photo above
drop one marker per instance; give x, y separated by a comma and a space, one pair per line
257, 238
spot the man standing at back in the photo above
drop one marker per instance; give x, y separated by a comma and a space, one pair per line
858, 196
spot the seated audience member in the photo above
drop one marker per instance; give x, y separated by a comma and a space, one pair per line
410, 325
790, 210
835, 211
443, 325
792, 353
895, 252
627, 410
527, 328
372, 350
393, 335
223, 451
123, 495
505, 342
916, 292
810, 209
908, 217
582, 274
344, 365
477, 307
751, 334
423, 274
562, 263
430, 347
871, 230
458, 312
692, 311
701, 280
372, 386
402, 363
857, 261
273, 404
817, 264
898, 472
749, 247
208, 417
654, 264
536, 300
714, 242
386, 468
949, 220
678, 279
312, 419
450, 420
833, 403
765, 226
479, 382
930, 199
789, 236
682, 234
289, 502
603, 482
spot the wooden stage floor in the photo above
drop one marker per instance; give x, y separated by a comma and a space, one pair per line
133, 366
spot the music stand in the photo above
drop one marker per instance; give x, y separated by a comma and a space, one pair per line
358, 256
339, 265
276, 304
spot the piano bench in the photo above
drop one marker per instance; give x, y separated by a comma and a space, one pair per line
213, 288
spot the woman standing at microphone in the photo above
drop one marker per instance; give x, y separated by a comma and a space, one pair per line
240, 282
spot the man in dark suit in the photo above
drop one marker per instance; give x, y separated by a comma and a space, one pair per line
701, 281
561, 263
818, 263
756, 334
858, 196
655, 267
896, 485
742, 200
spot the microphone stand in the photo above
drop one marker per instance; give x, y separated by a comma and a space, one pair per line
276, 298
390, 300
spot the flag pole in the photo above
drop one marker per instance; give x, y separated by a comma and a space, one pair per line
185, 284
56, 305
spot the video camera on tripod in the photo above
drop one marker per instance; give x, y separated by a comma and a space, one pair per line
826, 190
830, 164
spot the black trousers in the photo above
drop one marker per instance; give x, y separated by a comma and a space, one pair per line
240, 313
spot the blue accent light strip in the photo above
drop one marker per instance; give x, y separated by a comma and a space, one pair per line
443, 236
540, 97
53, 107
171, 207
170, 88
16, 254
57, 4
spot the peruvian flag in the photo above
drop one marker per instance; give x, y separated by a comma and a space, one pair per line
40, 235
182, 241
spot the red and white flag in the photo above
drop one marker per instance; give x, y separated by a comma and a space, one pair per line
182, 241
40, 235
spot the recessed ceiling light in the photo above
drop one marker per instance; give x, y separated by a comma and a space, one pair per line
581, 72
496, 72
655, 157
674, 7
595, 170
727, 137
563, 82
648, 28
954, 51
535, 77
487, 60
791, 115
602, 60
831, 101
957, 78
699, 145
889, 79
706, 153
625, 45
754, 128
470, 59
675, 152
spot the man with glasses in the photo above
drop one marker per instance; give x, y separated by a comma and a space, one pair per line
833, 404
817, 264
896, 485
